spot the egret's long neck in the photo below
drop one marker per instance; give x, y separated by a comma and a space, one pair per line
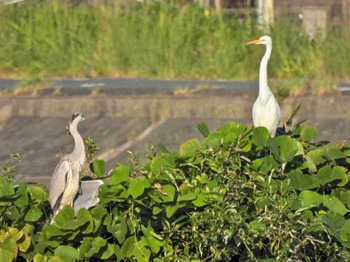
79, 148
264, 90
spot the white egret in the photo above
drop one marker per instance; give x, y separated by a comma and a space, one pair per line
266, 111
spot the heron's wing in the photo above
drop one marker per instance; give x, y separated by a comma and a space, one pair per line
88, 196
58, 183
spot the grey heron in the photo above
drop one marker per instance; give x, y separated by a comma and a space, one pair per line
266, 111
65, 182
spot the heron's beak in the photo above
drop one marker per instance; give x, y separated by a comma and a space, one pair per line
255, 42
67, 128
82, 118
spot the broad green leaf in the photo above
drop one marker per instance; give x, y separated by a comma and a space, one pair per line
38, 192
265, 165
167, 193
119, 175
56, 259
100, 216
257, 226
324, 175
22, 200
68, 253
156, 210
6, 188
97, 244
187, 197
14, 233
316, 156
9, 244
344, 196
84, 248
308, 133
140, 252
38, 258
345, 231
308, 198
340, 173
212, 196
203, 129
98, 167
84, 215
170, 210
310, 164
6, 256
334, 204
158, 165
214, 140
33, 214
327, 174
189, 148
199, 201
65, 218
227, 133
151, 239
128, 247
52, 232
232, 129
108, 252
24, 243
137, 187
119, 230
300, 181
284, 148
333, 153
260, 136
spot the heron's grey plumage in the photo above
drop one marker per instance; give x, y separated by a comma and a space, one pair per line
64, 184
88, 196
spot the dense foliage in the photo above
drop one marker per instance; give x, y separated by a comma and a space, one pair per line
239, 194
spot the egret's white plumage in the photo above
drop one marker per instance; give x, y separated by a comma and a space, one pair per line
266, 111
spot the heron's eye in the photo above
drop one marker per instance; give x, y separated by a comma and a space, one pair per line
75, 115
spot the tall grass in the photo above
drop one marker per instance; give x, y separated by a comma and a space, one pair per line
156, 41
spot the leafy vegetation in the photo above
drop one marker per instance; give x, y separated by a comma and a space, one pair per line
238, 194
161, 41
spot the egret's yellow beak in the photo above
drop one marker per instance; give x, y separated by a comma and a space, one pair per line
255, 42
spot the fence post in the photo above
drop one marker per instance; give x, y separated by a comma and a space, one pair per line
218, 5
345, 16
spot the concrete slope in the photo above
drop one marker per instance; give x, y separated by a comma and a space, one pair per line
120, 120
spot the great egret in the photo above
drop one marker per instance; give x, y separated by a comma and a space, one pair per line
266, 111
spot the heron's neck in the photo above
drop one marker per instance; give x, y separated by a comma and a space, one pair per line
264, 90
79, 148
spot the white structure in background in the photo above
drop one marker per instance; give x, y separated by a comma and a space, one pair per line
10, 2
265, 11
315, 20
202, 3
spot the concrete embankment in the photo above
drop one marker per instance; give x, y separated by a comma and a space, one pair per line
132, 120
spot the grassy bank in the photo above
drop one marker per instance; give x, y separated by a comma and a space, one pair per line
51, 40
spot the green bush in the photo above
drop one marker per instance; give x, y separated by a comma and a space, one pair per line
237, 195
